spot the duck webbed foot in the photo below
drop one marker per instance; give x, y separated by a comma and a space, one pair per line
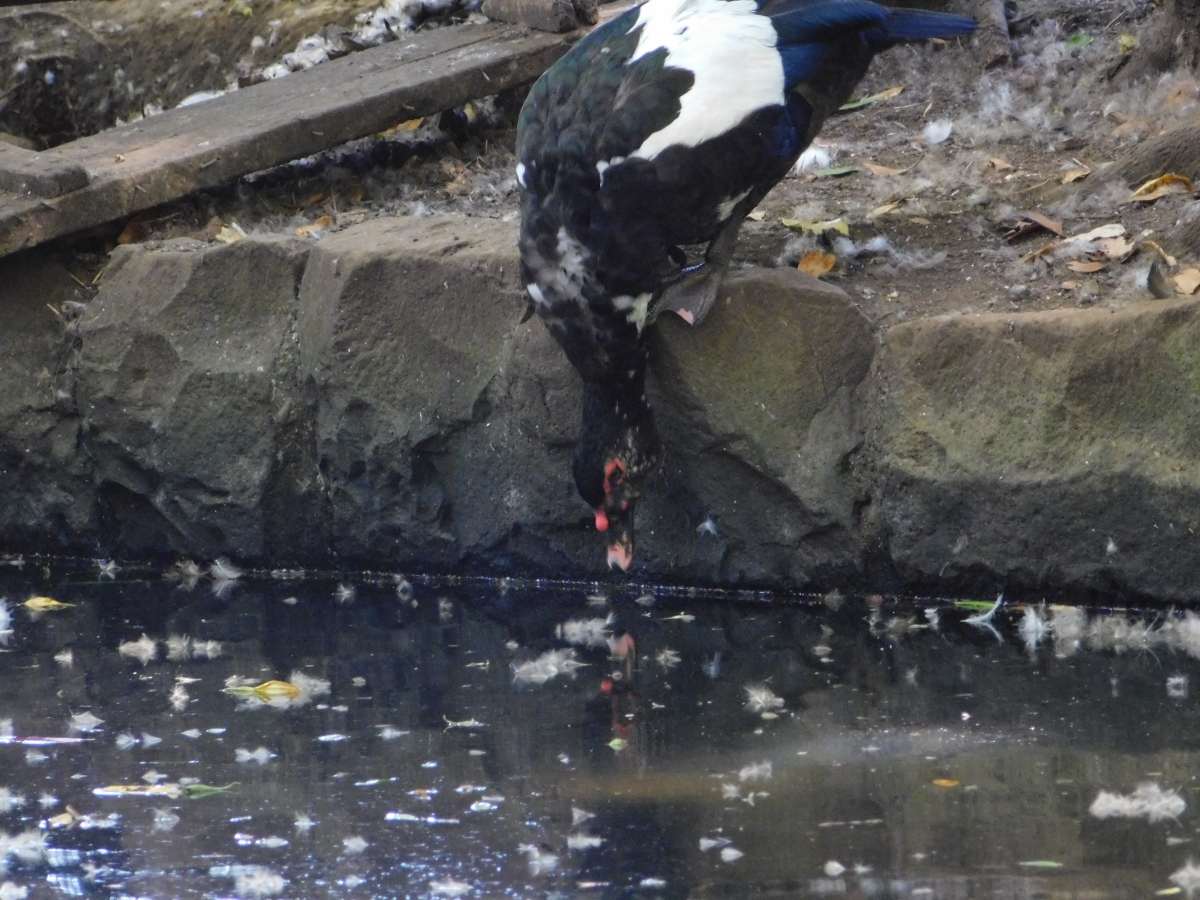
692, 295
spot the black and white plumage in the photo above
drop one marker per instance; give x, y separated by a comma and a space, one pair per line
665, 127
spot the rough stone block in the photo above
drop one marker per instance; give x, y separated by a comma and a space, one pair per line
1056, 449
45, 490
187, 377
757, 407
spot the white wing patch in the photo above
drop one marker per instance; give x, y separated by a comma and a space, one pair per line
635, 308
730, 51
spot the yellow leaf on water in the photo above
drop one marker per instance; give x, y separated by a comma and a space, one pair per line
838, 225
1161, 186
817, 263
946, 782
45, 604
1187, 281
276, 690
919, 220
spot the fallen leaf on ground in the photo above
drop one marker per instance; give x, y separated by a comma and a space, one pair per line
919, 220
884, 171
888, 207
1117, 248
756, 216
1111, 230
817, 263
1045, 221
838, 225
1153, 247
1076, 174
835, 171
1127, 41
1187, 281
230, 233
874, 98
314, 229
999, 164
1031, 222
1086, 267
1170, 183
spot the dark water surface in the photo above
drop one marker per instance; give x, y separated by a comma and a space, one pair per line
734, 746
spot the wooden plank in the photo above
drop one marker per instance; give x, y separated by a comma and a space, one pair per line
156, 160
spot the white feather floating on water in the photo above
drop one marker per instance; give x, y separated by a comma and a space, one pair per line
1148, 801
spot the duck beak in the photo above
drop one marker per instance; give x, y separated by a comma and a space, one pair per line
620, 554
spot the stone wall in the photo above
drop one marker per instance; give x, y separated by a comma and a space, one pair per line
378, 399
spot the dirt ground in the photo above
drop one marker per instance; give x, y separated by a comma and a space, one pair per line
930, 239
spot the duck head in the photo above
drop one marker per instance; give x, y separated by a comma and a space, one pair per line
618, 452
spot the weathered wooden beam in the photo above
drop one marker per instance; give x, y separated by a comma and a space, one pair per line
156, 160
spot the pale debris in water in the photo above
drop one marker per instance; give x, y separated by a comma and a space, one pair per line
179, 698
10, 891
834, 869
144, 649
549, 665
1148, 801
206, 649
261, 756
730, 791
6, 730
34, 756
192, 733
107, 568
47, 801
345, 593
579, 816
1033, 628
581, 841
389, 733
539, 860
6, 629
224, 570
647, 599
1187, 877
354, 845
712, 666
731, 854
65, 658
358, 681
153, 777
186, 572
1177, 687
1068, 623
585, 632
448, 887
28, 847
667, 658
707, 527
10, 801
445, 610
84, 722
126, 741
597, 601
165, 819
707, 844
1183, 633
652, 883
149, 740
985, 619
304, 822
179, 647
404, 588
257, 881
760, 771
760, 698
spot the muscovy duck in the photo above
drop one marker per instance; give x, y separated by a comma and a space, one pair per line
665, 127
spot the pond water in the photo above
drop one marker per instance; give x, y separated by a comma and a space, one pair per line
367, 736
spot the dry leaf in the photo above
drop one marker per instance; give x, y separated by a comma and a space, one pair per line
1127, 41
1046, 222
1161, 186
312, 200
1113, 248
1040, 251
230, 233
135, 230
817, 263
314, 229
888, 207
1069, 285
999, 164
756, 216
946, 782
1111, 230
1153, 247
874, 98
919, 220
884, 171
1076, 174
838, 225
1187, 281
1085, 267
